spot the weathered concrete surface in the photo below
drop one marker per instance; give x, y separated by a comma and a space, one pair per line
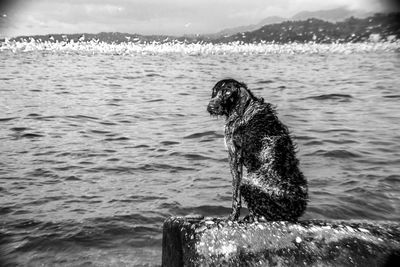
194, 241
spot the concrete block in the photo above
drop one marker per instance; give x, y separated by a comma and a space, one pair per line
198, 241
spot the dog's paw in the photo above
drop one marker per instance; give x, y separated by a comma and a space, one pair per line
249, 218
252, 218
233, 217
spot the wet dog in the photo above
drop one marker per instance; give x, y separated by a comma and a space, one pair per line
274, 187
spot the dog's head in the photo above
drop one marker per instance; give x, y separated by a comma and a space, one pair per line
228, 95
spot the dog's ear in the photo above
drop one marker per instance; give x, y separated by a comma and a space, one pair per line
242, 97
244, 93
247, 94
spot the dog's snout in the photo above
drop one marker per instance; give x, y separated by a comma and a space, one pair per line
211, 106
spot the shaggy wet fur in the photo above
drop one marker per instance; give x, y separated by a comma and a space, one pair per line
274, 187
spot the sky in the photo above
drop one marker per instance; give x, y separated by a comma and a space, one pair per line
172, 17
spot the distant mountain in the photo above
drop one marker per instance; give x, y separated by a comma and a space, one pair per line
252, 27
379, 26
332, 15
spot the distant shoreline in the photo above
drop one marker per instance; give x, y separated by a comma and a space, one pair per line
379, 27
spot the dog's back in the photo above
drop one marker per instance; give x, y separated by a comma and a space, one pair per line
274, 187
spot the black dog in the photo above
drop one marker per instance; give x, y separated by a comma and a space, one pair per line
274, 187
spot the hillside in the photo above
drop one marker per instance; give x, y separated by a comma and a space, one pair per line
331, 15
252, 27
319, 31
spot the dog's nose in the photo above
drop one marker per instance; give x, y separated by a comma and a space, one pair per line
212, 106
209, 108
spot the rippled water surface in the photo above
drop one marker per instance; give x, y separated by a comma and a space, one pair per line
97, 150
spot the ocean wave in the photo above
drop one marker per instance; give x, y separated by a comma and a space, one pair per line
115, 169
155, 100
177, 47
341, 97
7, 119
206, 210
344, 130
204, 134
392, 179
193, 156
265, 81
337, 153
391, 96
96, 232
169, 143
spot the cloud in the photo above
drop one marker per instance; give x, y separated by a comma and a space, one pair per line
390, 5
105, 10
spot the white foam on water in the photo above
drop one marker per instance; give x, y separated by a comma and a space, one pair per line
127, 48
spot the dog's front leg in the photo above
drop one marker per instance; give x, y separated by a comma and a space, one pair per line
236, 167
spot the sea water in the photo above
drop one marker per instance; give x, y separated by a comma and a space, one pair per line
100, 144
